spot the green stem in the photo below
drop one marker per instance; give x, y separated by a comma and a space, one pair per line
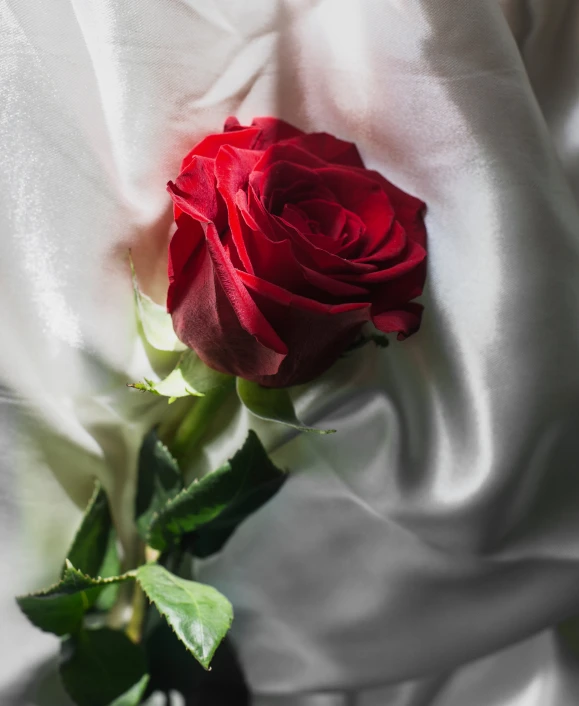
139, 607
195, 423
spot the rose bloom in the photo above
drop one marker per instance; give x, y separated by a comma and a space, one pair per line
285, 247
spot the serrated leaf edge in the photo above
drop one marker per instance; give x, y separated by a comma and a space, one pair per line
90, 505
95, 581
207, 662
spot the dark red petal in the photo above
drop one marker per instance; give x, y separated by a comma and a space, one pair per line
335, 327
305, 248
232, 169
413, 257
186, 240
395, 293
331, 217
282, 296
405, 321
206, 320
409, 210
390, 248
338, 289
210, 145
291, 153
275, 261
249, 316
322, 259
273, 130
231, 124
362, 196
329, 148
270, 258
287, 182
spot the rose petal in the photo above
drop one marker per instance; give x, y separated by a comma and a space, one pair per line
272, 259
306, 250
316, 334
250, 318
413, 256
331, 217
390, 248
291, 153
409, 210
188, 238
275, 260
210, 145
405, 321
206, 321
273, 130
282, 296
232, 169
364, 197
329, 148
195, 193
397, 292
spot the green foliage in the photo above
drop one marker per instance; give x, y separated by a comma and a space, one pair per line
61, 608
91, 541
199, 615
102, 667
133, 696
274, 405
219, 502
110, 568
190, 377
159, 481
155, 321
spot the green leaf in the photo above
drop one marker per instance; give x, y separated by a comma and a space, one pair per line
159, 481
229, 494
155, 320
133, 696
272, 404
90, 543
199, 615
61, 608
190, 377
261, 482
98, 667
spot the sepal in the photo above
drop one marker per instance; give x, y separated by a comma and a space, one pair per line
273, 405
190, 377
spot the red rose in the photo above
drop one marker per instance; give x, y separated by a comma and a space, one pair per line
285, 247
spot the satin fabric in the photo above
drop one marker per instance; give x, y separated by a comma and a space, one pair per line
425, 553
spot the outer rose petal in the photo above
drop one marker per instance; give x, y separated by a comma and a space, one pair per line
273, 130
218, 319
244, 138
329, 148
405, 321
195, 193
316, 334
187, 239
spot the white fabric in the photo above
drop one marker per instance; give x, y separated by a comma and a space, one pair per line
424, 554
